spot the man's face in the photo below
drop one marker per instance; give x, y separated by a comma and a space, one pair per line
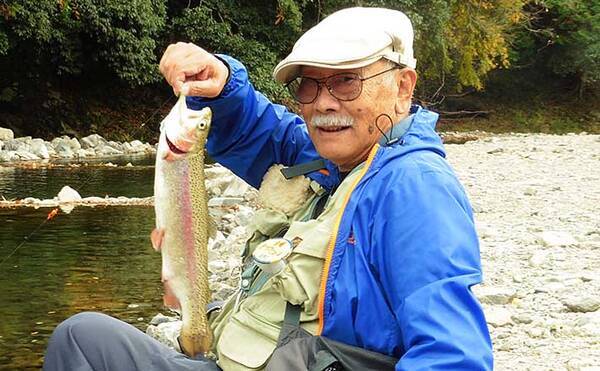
348, 146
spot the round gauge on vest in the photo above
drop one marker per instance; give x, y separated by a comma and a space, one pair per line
270, 254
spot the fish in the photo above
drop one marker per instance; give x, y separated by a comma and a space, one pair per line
180, 203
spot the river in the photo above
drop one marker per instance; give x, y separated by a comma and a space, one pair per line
96, 259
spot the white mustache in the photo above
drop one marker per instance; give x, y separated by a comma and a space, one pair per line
320, 121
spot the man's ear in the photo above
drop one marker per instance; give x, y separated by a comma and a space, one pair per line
406, 79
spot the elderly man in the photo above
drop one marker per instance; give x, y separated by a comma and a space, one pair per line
384, 245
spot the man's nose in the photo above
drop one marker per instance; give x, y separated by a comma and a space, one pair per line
325, 102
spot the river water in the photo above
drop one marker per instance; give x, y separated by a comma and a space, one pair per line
96, 259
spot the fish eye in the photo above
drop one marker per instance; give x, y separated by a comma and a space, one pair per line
202, 125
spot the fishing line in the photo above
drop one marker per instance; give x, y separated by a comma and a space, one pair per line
86, 180
50, 216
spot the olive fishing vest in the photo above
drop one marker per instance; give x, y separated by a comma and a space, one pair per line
247, 328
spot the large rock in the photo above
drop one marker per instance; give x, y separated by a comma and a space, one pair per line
26, 155
8, 156
224, 201
236, 188
64, 150
217, 172
165, 331
75, 145
126, 147
494, 295
107, 150
15, 145
68, 194
556, 238
588, 325
38, 148
137, 146
93, 141
116, 145
582, 303
498, 316
6, 134
60, 140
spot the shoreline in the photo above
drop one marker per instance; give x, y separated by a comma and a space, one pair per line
92, 147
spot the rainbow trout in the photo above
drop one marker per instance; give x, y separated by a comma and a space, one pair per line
182, 213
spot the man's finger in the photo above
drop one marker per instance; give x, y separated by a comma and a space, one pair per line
204, 88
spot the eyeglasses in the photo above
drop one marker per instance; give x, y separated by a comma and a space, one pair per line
345, 86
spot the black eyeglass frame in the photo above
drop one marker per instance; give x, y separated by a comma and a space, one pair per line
324, 81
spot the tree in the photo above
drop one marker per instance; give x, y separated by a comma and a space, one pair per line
259, 34
457, 42
563, 37
42, 39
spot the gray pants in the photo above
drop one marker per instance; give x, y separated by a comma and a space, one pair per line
95, 341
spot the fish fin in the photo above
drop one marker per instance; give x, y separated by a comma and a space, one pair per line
169, 298
212, 228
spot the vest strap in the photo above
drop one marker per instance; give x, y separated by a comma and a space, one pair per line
291, 322
303, 169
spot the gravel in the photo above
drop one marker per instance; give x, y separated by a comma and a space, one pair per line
536, 199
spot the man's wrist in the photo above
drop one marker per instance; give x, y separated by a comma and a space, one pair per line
228, 79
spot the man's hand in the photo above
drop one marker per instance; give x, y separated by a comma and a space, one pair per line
193, 71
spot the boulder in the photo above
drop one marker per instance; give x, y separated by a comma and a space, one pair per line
64, 150
494, 295
556, 239
75, 145
6, 134
107, 150
498, 316
236, 188
38, 148
8, 156
582, 303
68, 194
92, 141
14, 145
166, 332
26, 155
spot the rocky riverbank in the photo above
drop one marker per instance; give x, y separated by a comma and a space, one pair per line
536, 200
537, 207
95, 146
65, 147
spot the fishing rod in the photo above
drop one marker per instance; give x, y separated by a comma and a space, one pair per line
54, 212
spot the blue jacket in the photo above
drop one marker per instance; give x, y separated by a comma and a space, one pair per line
406, 252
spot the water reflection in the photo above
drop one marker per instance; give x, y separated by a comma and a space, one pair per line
92, 259
97, 180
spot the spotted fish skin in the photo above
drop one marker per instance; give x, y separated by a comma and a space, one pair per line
182, 212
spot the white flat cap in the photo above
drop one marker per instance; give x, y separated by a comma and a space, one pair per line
351, 38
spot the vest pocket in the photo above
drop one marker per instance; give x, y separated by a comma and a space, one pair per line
242, 347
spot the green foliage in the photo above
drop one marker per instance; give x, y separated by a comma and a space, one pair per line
48, 38
93, 48
478, 38
563, 37
258, 34
457, 42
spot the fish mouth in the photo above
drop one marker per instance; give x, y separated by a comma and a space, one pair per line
173, 148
